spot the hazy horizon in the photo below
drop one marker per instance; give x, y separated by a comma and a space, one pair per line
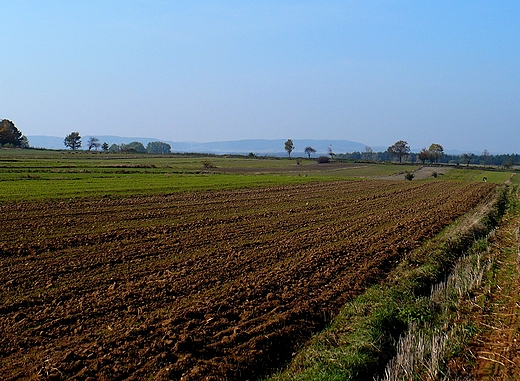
259, 146
372, 72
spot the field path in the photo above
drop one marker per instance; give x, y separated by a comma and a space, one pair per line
210, 285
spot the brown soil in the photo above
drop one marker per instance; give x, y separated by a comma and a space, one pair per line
494, 354
220, 285
306, 168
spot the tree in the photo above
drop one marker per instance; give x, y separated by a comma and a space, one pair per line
24, 142
158, 148
133, 147
73, 141
424, 155
467, 158
485, 156
399, 149
309, 151
289, 146
114, 148
436, 152
368, 153
508, 163
105, 147
10, 134
93, 143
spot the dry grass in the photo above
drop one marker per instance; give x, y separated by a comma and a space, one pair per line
423, 352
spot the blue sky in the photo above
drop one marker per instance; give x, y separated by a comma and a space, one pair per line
369, 71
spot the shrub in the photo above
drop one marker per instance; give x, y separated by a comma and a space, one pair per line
323, 160
208, 164
409, 176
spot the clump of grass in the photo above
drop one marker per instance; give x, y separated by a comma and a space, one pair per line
208, 164
423, 350
354, 344
417, 350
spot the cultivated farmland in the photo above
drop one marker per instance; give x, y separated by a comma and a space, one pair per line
220, 284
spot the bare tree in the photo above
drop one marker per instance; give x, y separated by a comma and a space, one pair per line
467, 158
368, 153
485, 156
93, 143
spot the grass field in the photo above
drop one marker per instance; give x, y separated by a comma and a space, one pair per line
476, 175
41, 174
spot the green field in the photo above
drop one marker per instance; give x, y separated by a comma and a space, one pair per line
46, 174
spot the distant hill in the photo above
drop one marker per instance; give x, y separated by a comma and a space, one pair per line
274, 147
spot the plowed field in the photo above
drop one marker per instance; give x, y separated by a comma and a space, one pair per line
210, 285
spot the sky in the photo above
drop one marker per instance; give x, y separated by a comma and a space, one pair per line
371, 71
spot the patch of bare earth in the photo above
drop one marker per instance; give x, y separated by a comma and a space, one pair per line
200, 286
494, 354
419, 174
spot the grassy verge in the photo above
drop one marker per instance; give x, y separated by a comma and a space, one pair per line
425, 351
363, 338
491, 310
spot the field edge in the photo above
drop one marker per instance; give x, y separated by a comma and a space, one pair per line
362, 339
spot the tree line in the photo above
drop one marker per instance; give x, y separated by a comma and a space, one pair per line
12, 137
435, 155
401, 152
74, 142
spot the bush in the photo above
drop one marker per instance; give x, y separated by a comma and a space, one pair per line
323, 160
208, 164
409, 176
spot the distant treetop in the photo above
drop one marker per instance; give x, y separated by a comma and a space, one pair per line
11, 136
72, 141
399, 149
289, 146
